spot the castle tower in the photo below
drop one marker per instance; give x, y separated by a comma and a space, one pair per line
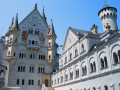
52, 48
12, 34
108, 17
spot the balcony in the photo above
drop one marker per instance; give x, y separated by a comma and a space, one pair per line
33, 47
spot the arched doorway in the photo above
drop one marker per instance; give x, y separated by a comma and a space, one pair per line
46, 82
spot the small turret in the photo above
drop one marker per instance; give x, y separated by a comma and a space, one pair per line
36, 6
43, 15
11, 23
52, 32
15, 24
108, 17
52, 47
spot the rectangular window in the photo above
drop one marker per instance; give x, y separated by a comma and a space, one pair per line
70, 56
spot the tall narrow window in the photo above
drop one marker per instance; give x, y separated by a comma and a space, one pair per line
70, 56
32, 82
105, 87
38, 82
23, 82
119, 54
102, 63
76, 53
115, 58
82, 48
105, 59
17, 81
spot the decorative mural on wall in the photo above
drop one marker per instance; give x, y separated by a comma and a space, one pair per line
42, 37
24, 36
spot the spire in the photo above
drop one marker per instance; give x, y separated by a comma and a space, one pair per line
52, 28
36, 6
11, 23
106, 5
15, 24
43, 15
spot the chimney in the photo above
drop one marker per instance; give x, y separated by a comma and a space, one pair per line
94, 29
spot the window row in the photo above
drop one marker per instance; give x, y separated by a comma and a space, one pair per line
30, 31
94, 88
32, 56
33, 42
22, 68
71, 55
92, 65
22, 82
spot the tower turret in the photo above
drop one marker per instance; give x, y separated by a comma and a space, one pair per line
43, 15
52, 47
12, 35
108, 17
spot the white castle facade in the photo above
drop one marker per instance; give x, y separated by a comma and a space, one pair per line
90, 60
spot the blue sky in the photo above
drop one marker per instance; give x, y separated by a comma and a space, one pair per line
79, 14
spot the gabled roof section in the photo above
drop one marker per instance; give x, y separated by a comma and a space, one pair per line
77, 33
35, 9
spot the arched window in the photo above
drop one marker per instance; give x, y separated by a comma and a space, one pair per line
18, 81
105, 60
115, 58
23, 82
102, 63
94, 66
105, 87
71, 75
46, 82
18, 68
91, 66
31, 69
33, 42
94, 88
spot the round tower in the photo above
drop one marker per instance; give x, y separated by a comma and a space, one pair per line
108, 17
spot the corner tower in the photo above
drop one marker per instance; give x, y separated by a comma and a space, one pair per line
12, 34
52, 47
108, 17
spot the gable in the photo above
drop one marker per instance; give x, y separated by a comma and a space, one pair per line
35, 22
70, 39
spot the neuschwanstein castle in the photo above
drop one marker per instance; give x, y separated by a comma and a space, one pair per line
90, 60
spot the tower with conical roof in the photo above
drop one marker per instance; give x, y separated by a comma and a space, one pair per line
108, 17
52, 47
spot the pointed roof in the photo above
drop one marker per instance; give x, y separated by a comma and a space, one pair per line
15, 24
35, 9
106, 5
52, 29
11, 23
43, 15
